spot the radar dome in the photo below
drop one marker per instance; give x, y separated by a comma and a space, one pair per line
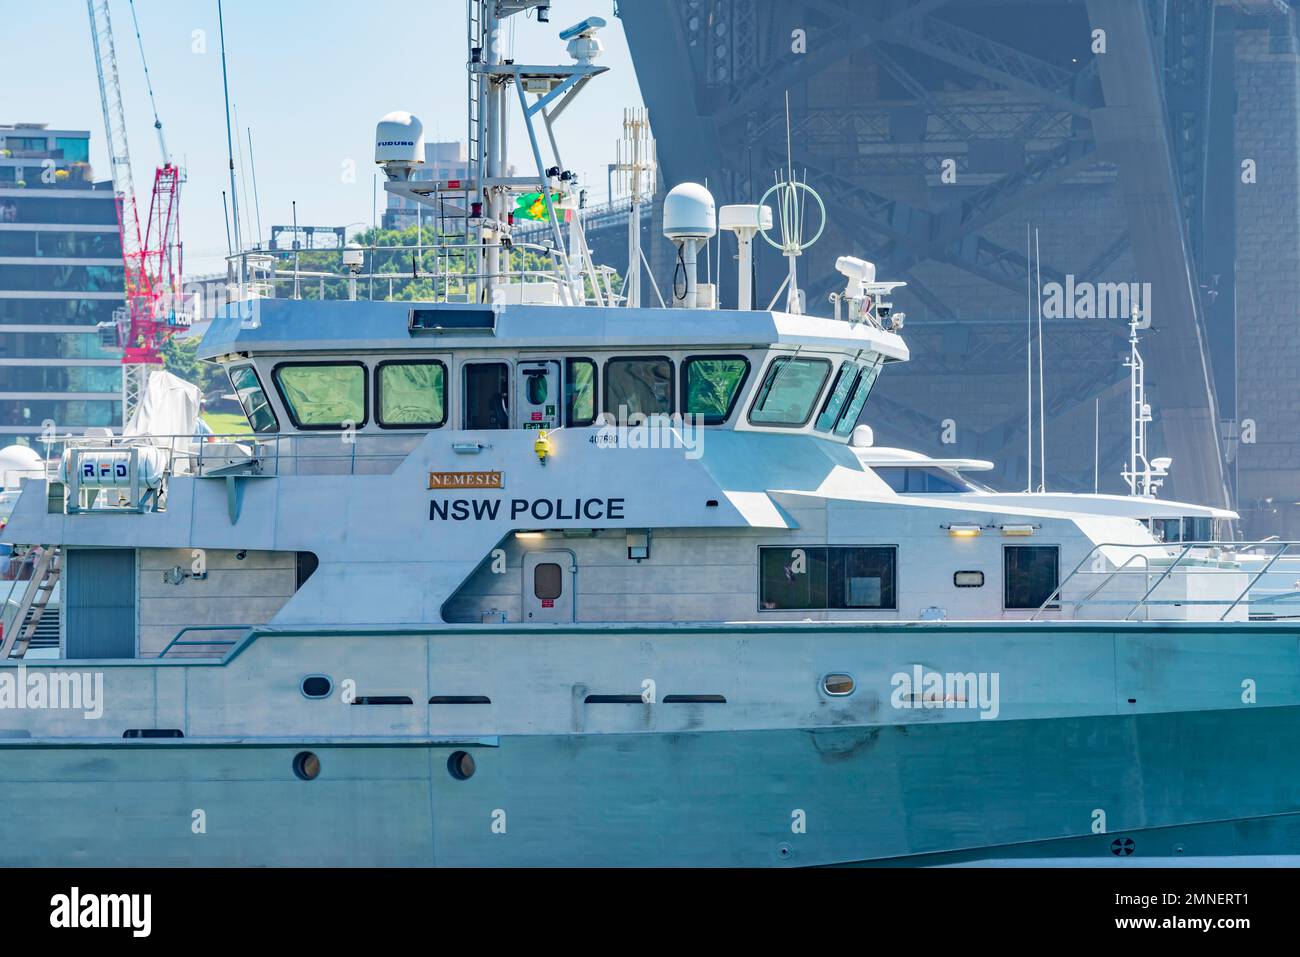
19, 462
689, 213
399, 144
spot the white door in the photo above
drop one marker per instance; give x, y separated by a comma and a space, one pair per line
537, 390
548, 586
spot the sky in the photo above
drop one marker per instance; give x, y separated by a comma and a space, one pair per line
310, 78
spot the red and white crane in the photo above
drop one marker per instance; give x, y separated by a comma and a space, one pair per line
152, 251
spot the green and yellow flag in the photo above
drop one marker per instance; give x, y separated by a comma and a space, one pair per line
530, 206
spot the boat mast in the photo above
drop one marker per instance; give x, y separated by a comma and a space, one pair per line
487, 190
1143, 476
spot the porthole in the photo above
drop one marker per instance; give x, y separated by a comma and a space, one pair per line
970, 579
306, 766
316, 686
461, 765
838, 684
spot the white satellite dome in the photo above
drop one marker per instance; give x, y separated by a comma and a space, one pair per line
689, 213
399, 144
18, 462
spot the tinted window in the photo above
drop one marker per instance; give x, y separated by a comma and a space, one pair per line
44, 277
845, 379
326, 395
58, 311
821, 577
1030, 574
579, 392
789, 391
918, 480
55, 345
411, 394
861, 389
711, 385
68, 245
252, 398
98, 211
1167, 529
643, 386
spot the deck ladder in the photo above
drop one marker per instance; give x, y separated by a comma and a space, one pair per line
36, 598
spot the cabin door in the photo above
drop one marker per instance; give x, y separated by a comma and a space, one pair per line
537, 388
548, 586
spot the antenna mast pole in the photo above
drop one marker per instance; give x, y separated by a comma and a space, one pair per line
1138, 475
230, 150
635, 166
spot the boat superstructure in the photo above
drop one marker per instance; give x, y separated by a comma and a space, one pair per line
534, 576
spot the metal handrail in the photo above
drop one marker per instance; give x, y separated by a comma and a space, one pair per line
1159, 581
1180, 553
211, 641
1262, 572
258, 444
1146, 570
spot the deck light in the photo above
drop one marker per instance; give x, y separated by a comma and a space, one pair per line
1018, 530
542, 446
963, 531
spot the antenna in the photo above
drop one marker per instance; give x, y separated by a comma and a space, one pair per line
635, 166
225, 208
297, 287
257, 202
1029, 361
1096, 445
1143, 477
792, 194
243, 171
1042, 399
230, 145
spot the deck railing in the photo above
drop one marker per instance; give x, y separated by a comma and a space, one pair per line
218, 456
1267, 573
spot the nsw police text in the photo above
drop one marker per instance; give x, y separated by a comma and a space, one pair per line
539, 509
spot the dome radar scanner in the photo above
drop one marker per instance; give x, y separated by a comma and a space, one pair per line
690, 221
399, 145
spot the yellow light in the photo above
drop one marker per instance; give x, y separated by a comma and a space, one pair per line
542, 447
1017, 529
963, 531
530, 534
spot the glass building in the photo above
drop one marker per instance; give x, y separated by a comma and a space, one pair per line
61, 275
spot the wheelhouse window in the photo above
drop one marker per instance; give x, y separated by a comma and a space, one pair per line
845, 379
1189, 529
487, 395
579, 392
861, 389
323, 395
789, 391
411, 395
1031, 573
252, 399
916, 480
639, 385
711, 385
811, 577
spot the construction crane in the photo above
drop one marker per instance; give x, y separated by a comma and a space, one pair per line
151, 248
